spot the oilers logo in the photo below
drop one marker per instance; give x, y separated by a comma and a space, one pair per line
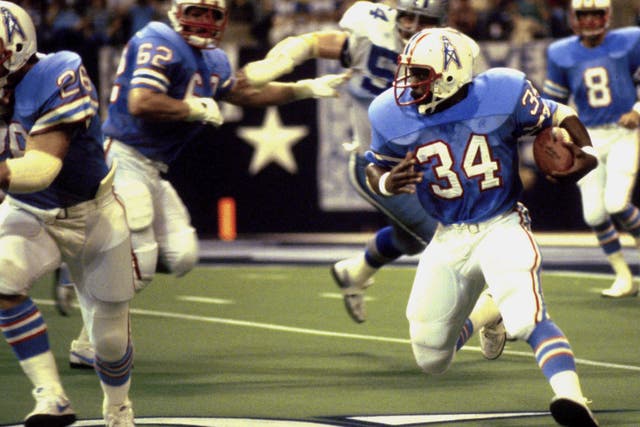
11, 25
449, 54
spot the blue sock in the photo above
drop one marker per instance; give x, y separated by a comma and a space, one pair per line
115, 373
465, 334
608, 237
551, 349
630, 220
386, 250
24, 329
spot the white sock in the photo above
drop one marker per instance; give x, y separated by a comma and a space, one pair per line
42, 371
116, 395
567, 384
619, 265
359, 269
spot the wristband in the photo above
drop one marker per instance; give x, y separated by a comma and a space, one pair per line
381, 184
589, 149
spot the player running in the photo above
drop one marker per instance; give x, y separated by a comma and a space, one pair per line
451, 139
596, 69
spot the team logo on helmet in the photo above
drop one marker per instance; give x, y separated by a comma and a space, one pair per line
11, 25
449, 54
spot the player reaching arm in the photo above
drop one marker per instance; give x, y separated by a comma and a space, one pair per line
370, 37
166, 92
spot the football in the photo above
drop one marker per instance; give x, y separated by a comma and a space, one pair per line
550, 152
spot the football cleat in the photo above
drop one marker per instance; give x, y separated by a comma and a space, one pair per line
81, 355
622, 287
572, 413
52, 410
352, 291
492, 339
118, 415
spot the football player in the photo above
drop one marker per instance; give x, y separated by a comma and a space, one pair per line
60, 206
595, 69
370, 37
451, 139
165, 94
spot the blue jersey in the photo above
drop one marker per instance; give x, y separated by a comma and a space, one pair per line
57, 91
159, 59
468, 152
600, 79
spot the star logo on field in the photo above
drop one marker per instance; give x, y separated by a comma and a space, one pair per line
272, 142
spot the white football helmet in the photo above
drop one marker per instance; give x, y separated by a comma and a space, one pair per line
433, 66
18, 38
204, 32
594, 27
415, 15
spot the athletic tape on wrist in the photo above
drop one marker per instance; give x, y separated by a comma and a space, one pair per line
382, 184
590, 150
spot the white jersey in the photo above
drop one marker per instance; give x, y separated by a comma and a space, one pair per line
373, 48
374, 45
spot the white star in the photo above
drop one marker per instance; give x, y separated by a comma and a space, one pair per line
272, 142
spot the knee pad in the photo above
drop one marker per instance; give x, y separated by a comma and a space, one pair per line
175, 235
615, 204
24, 257
431, 345
181, 253
594, 218
110, 330
432, 361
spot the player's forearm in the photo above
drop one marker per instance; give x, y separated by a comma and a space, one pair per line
293, 51
373, 174
32, 172
331, 44
317, 44
276, 93
269, 94
577, 131
153, 106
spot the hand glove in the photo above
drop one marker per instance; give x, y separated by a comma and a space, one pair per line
205, 110
259, 73
321, 87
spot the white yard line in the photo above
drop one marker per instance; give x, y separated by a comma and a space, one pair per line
333, 334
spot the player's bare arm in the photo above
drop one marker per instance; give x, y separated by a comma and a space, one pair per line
276, 93
151, 105
578, 141
402, 178
40, 164
293, 51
